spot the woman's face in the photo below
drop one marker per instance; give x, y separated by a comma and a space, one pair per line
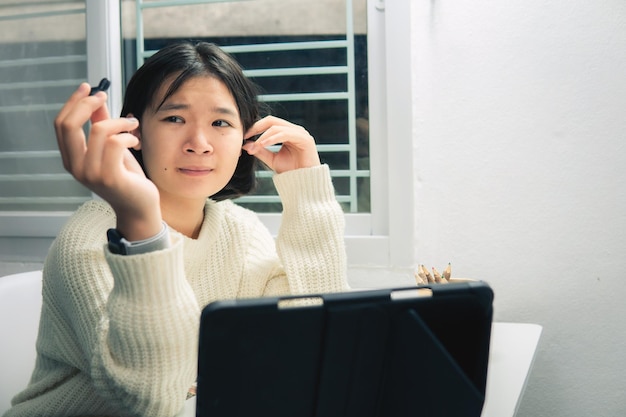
191, 144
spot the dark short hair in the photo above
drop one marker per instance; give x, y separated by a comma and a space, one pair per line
186, 60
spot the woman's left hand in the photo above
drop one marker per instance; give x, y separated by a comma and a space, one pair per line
298, 146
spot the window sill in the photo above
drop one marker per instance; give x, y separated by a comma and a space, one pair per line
364, 251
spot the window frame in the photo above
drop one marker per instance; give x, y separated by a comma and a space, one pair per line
383, 238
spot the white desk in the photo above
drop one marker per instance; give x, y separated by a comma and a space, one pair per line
511, 356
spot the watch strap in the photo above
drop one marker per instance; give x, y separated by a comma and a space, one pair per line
119, 245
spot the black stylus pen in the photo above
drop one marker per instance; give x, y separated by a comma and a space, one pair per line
103, 86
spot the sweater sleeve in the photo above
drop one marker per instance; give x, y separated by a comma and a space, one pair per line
310, 241
134, 320
147, 353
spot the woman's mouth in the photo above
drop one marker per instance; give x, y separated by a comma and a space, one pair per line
195, 171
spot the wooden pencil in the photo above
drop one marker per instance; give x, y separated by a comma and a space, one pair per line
426, 273
447, 272
420, 278
436, 274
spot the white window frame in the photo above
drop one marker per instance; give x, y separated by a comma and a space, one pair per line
383, 238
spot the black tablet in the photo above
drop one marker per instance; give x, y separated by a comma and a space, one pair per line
420, 351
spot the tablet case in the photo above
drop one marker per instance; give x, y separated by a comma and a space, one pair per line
354, 354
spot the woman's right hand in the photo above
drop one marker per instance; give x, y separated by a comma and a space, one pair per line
104, 164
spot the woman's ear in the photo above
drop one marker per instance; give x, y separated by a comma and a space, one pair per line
137, 133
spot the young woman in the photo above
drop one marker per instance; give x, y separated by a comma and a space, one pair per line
127, 277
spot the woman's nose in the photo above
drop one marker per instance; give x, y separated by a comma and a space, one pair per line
198, 142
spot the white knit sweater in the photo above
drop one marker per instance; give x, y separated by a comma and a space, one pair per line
118, 334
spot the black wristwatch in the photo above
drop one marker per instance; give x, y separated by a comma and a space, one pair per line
120, 246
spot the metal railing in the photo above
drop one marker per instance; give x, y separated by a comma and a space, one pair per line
349, 94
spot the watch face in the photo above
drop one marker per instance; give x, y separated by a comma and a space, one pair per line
115, 242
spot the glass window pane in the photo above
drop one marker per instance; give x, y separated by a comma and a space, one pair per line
308, 57
42, 60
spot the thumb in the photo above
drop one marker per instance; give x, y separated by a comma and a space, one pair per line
264, 155
102, 112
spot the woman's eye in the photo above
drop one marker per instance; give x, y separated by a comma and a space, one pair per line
221, 123
173, 119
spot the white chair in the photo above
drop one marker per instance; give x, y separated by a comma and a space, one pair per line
20, 306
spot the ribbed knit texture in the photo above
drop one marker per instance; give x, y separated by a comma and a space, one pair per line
118, 334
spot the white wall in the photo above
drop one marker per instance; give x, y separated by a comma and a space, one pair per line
520, 147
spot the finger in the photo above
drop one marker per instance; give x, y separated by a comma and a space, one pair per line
272, 136
264, 155
106, 134
102, 112
116, 158
69, 129
106, 170
130, 162
78, 112
295, 135
264, 124
81, 92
